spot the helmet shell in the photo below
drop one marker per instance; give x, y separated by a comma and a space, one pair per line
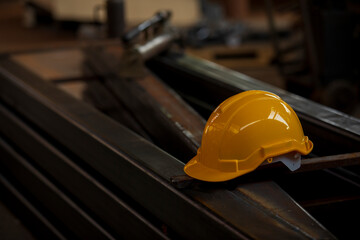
242, 132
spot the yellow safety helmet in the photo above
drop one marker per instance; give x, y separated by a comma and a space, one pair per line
243, 132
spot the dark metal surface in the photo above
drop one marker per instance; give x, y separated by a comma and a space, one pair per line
30, 216
205, 85
342, 160
142, 171
11, 227
49, 195
152, 105
114, 212
98, 96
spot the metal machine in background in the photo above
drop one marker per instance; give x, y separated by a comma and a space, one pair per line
320, 59
71, 168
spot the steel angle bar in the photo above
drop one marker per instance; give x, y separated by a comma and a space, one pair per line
31, 217
103, 100
115, 213
153, 105
206, 85
52, 198
140, 169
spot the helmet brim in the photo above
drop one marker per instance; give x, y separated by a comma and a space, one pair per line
197, 170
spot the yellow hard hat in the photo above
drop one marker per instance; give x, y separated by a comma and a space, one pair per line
243, 132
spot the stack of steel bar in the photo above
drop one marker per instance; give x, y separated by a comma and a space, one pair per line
69, 171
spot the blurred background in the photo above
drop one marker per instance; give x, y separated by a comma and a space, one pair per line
310, 48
